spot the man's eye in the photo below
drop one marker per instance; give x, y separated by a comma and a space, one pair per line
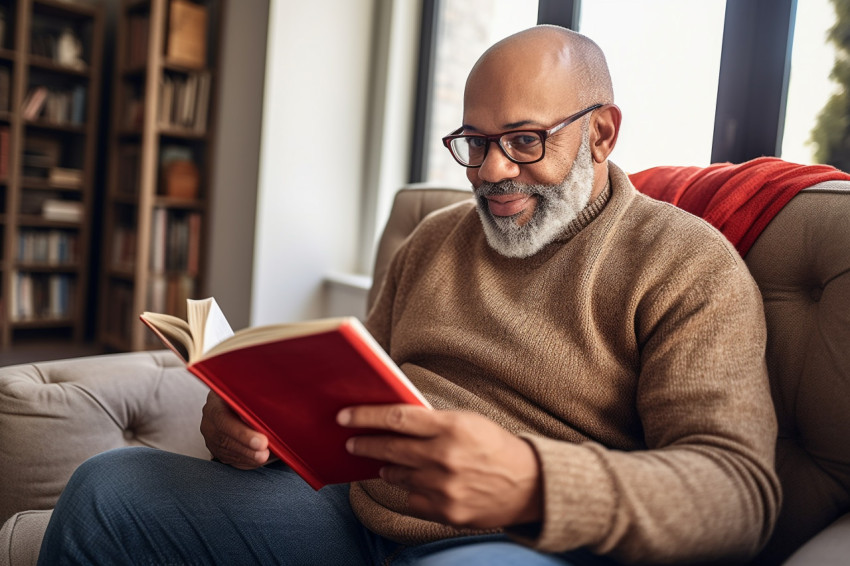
524, 141
476, 142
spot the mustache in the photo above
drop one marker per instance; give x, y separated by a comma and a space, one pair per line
508, 187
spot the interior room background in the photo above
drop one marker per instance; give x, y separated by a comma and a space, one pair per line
326, 108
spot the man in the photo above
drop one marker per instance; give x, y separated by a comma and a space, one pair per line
595, 358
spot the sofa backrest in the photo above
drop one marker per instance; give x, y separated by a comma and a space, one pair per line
801, 263
411, 204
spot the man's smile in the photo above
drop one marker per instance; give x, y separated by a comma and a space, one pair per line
507, 205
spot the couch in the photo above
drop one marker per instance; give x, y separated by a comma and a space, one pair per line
53, 415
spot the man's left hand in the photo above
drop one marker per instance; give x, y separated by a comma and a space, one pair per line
459, 468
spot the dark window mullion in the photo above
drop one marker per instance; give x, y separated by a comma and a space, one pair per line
564, 13
753, 83
424, 79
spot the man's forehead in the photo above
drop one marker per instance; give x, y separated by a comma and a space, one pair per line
522, 108
509, 96
471, 125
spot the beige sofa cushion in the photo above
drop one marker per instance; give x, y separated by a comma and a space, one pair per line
802, 265
410, 206
54, 415
20, 538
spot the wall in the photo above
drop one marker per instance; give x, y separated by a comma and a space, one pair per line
312, 156
235, 172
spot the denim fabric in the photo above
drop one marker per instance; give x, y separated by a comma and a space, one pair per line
145, 506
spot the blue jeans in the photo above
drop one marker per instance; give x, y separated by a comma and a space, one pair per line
144, 506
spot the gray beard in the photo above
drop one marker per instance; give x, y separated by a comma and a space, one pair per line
557, 206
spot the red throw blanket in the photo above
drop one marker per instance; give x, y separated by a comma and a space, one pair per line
737, 199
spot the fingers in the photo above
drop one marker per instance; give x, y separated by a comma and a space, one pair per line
403, 451
229, 439
402, 419
457, 468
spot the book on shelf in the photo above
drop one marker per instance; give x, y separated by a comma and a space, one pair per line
65, 177
55, 105
187, 33
120, 315
159, 231
4, 152
62, 210
129, 172
137, 40
288, 381
77, 104
34, 102
184, 101
49, 247
5, 87
40, 155
123, 248
40, 296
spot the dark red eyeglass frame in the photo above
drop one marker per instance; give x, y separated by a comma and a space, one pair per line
544, 134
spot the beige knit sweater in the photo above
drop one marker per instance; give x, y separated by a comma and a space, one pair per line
630, 353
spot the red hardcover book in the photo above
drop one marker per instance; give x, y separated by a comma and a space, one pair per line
289, 381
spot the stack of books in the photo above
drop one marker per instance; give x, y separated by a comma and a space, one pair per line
65, 177
62, 210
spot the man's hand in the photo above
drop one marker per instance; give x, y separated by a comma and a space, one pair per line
459, 468
229, 439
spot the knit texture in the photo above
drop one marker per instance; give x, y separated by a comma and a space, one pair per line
639, 329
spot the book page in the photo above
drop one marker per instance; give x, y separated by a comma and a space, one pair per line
270, 333
174, 332
208, 323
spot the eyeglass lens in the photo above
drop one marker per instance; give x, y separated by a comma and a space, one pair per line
522, 147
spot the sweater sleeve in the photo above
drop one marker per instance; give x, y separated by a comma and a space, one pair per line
705, 486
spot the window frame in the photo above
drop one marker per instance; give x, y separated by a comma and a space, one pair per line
752, 92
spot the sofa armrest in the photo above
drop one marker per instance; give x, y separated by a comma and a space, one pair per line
830, 547
55, 415
20, 538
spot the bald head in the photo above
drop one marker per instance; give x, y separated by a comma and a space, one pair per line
547, 57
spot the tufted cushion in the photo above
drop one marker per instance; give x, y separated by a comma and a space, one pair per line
411, 205
802, 265
54, 415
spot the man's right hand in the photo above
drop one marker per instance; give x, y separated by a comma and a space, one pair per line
229, 439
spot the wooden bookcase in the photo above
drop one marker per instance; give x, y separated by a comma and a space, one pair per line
158, 187
50, 62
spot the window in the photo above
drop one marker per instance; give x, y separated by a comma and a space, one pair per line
464, 31
698, 82
812, 59
664, 58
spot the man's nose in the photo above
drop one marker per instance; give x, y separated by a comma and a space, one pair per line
496, 166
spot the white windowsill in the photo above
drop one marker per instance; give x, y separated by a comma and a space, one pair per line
347, 294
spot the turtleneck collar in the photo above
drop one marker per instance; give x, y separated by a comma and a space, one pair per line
587, 215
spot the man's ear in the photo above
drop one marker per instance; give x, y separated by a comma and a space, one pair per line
604, 128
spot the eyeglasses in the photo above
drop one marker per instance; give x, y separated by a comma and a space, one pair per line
520, 146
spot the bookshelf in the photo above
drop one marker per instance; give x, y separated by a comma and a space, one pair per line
161, 139
50, 61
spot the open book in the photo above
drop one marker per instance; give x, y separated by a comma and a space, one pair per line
288, 381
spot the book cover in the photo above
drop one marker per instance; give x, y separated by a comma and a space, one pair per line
289, 382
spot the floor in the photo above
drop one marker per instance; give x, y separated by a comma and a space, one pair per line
42, 352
